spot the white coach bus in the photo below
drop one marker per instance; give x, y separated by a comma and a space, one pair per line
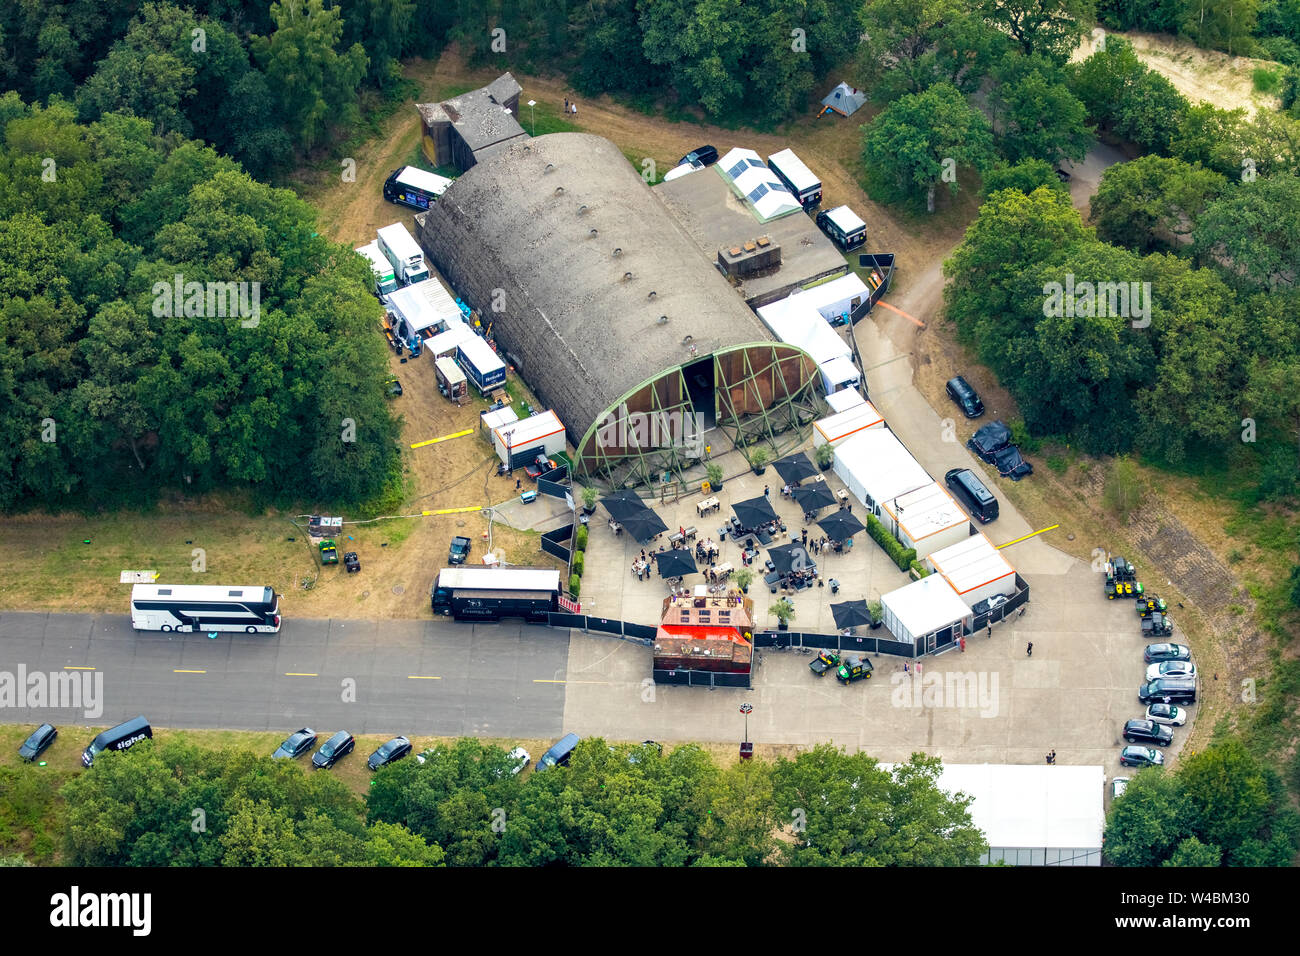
202, 607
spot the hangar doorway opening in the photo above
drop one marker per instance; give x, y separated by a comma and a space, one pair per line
700, 387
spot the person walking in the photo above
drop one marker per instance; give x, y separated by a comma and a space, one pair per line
1029, 651
905, 669
566, 104
1051, 758
963, 644
574, 108
766, 492
518, 484
990, 630
918, 668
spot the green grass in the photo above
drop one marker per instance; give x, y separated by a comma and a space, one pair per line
544, 118
1266, 80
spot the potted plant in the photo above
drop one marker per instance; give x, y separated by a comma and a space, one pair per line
758, 460
714, 472
782, 610
589, 498
825, 455
744, 577
877, 614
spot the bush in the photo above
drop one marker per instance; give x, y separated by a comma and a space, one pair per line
876, 610
1265, 79
579, 561
1123, 489
582, 537
744, 578
920, 569
589, 495
903, 557
758, 458
575, 585
1020, 436
715, 474
825, 455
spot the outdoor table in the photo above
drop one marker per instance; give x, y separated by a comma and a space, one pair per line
708, 504
843, 495
675, 537
723, 531
690, 532
723, 571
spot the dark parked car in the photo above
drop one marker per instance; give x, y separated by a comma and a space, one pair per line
967, 398
989, 440
1140, 757
1155, 653
38, 742
703, 155
540, 466
558, 755
458, 551
333, 750
351, 562
1148, 732
296, 744
389, 752
1011, 464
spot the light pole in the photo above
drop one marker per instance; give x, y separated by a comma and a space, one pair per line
532, 115
746, 748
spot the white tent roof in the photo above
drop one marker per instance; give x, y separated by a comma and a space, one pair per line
844, 217
971, 564
844, 399
839, 370
925, 511
846, 423
425, 305
1032, 805
847, 99
443, 342
759, 185
795, 323
826, 298
529, 431
880, 464
926, 605
502, 416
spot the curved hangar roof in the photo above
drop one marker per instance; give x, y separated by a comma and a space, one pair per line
582, 259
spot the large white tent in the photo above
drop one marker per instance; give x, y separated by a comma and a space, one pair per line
975, 569
427, 306
1034, 815
765, 194
844, 399
875, 467
841, 426
834, 298
796, 321
926, 614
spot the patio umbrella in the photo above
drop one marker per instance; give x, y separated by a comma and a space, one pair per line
813, 496
754, 512
675, 563
841, 525
643, 525
623, 503
850, 614
794, 468
791, 557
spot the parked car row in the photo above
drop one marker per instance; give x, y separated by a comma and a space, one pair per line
1170, 685
122, 737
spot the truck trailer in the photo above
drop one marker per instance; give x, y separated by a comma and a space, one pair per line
489, 594
385, 279
482, 366
403, 253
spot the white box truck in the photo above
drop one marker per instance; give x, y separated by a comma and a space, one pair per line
385, 280
404, 253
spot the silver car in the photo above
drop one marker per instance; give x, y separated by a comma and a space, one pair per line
1171, 669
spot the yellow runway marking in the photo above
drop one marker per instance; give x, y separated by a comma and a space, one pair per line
420, 677
78, 668
452, 511
189, 672
1030, 535
434, 441
301, 675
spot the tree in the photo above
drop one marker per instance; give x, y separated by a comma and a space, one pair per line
1225, 25
1123, 95
315, 83
1253, 234
910, 46
1192, 852
1152, 202
739, 826
1050, 28
1024, 176
1147, 822
920, 140
1236, 803
1035, 116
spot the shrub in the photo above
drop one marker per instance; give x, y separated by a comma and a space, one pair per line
715, 474
876, 610
575, 585
581, 539
825, 454
758, 458
1020, 436
590, 496
579, 561
744, 577
920, 569
903, 557
1265, 80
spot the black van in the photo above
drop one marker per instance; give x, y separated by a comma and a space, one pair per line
967, 399
123, 736
970, 491
1168, 690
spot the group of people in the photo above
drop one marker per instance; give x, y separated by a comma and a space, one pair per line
797, 580
713, 577
706, 550
570, 108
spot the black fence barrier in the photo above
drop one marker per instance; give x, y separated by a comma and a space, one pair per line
604, 624
553, 485
643, 631
862, 644
689, 678
559, 619
556, 542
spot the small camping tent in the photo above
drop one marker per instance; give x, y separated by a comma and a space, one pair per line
844, 100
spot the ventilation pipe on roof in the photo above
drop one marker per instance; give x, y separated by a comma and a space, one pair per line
663, 320
618, 251
592, 234
559, 190
550, 167
688, 340
627, 276
582, 210
652, 294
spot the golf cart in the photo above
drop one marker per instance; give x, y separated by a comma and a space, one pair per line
1150, 604
855, 668
1157, 625
823, 662
329, 552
